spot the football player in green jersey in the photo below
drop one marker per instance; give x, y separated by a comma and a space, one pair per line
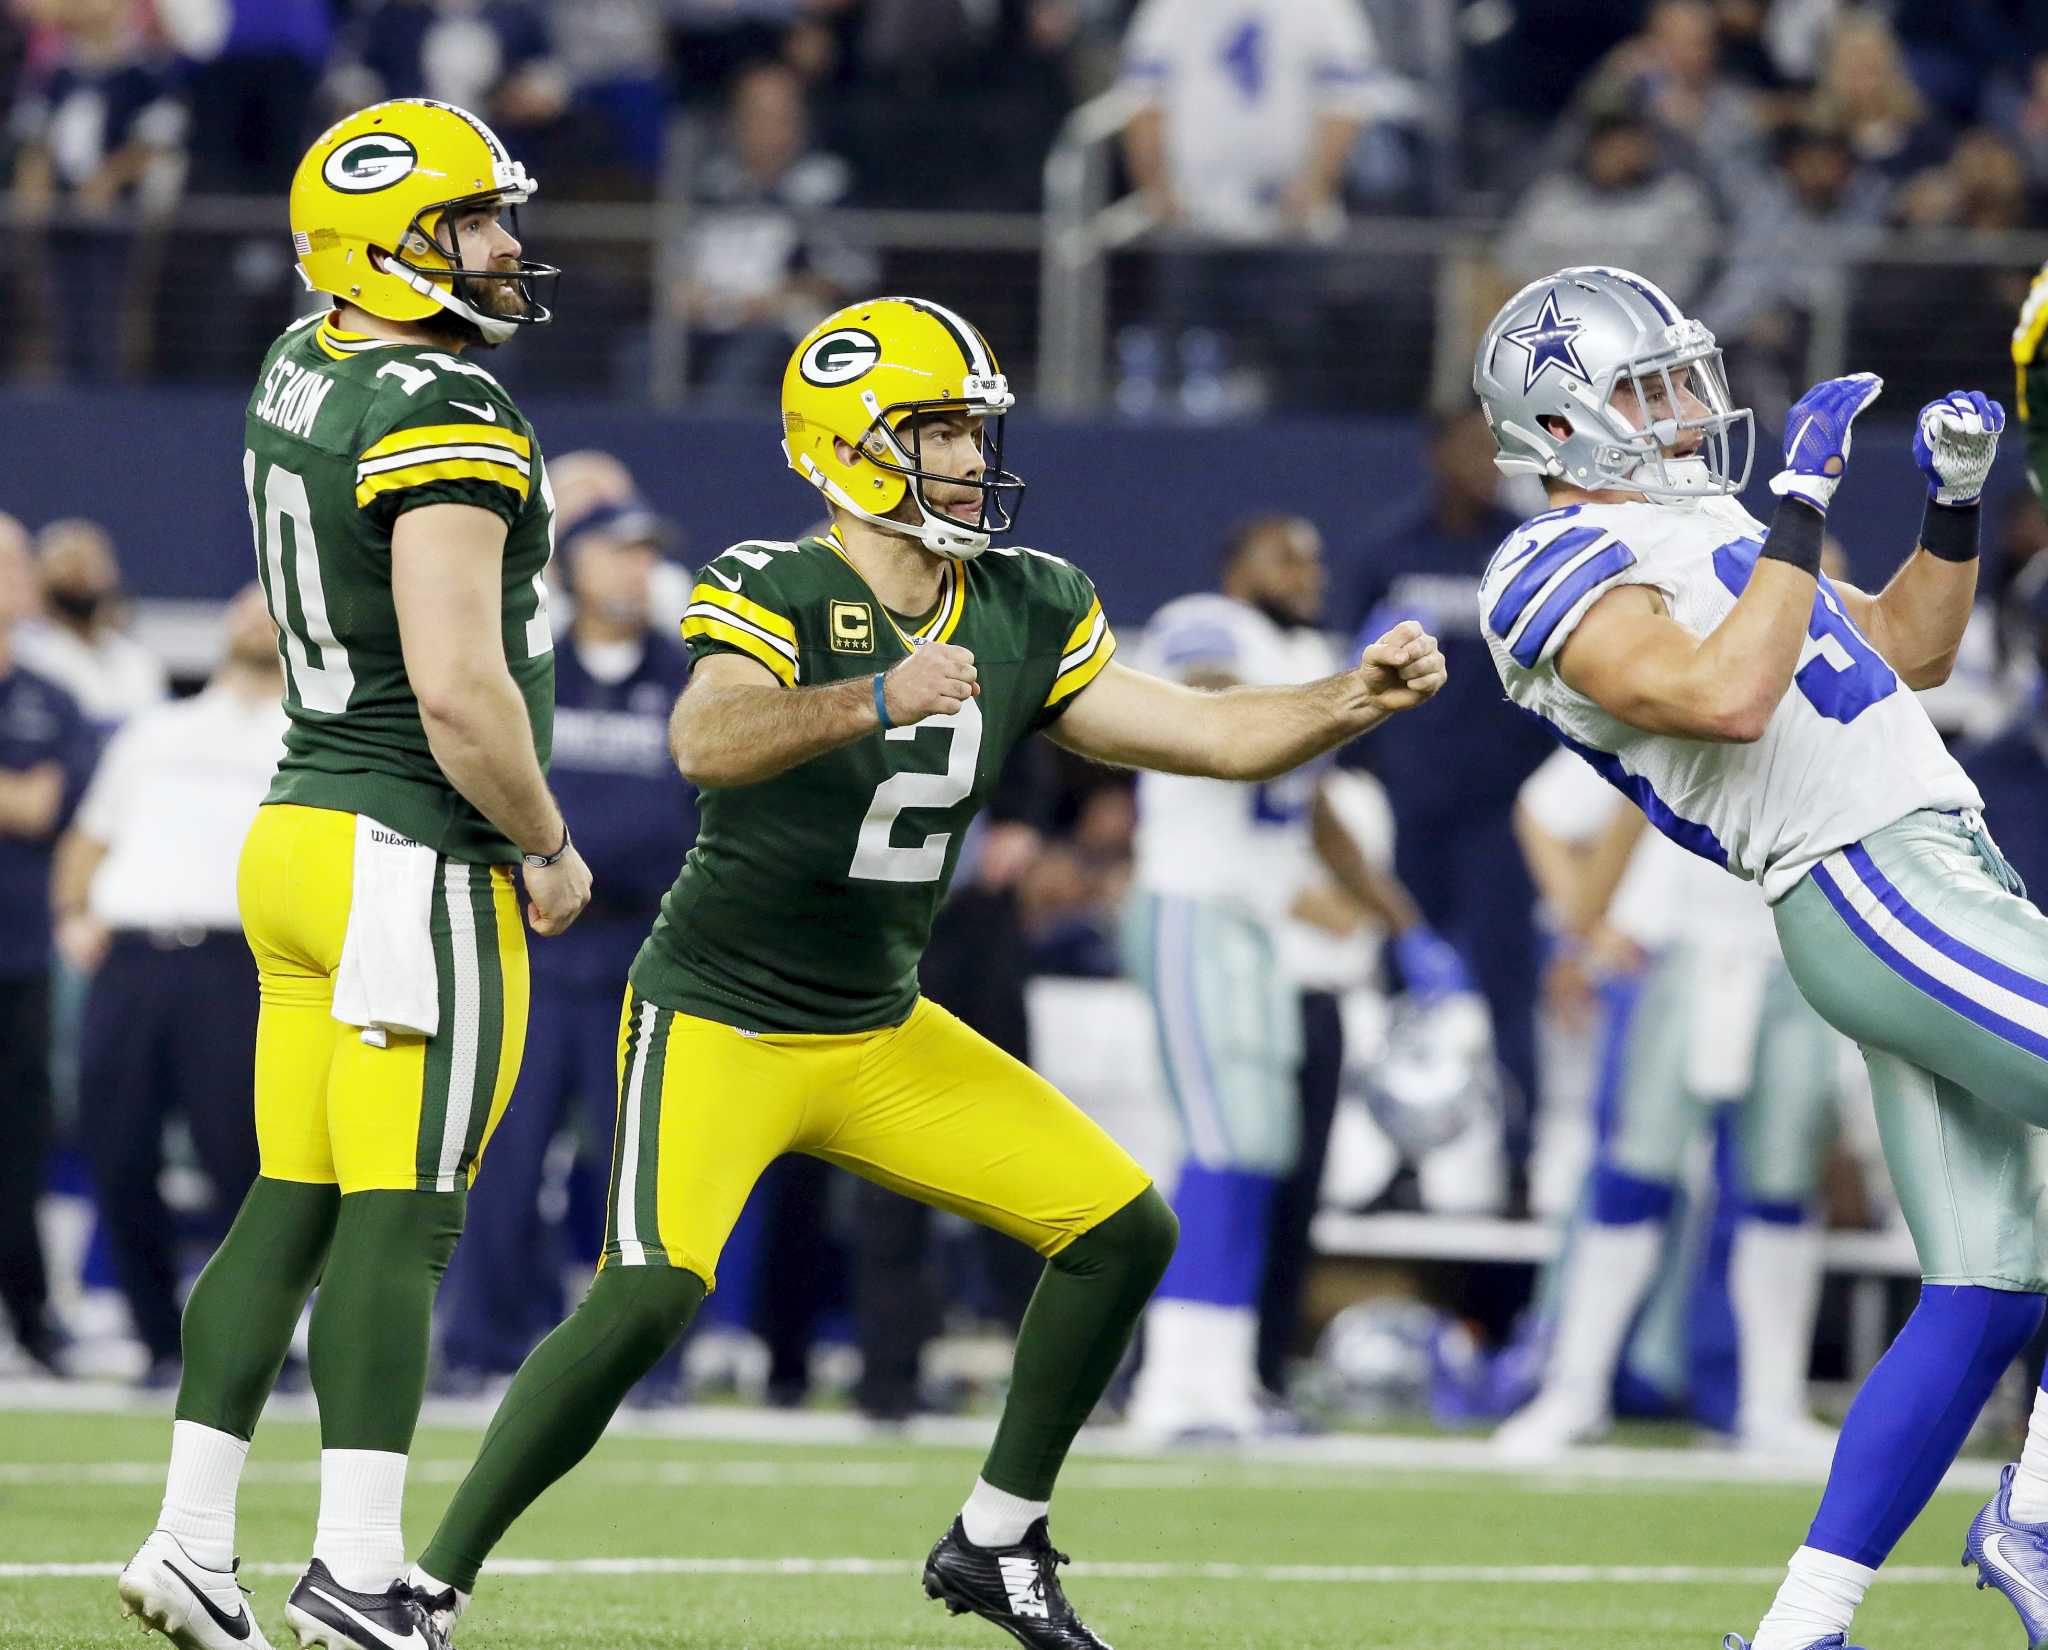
2030, 366
852, 701
402, 521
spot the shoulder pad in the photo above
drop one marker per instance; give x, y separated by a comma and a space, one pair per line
1545, 577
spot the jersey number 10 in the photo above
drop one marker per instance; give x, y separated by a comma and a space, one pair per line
318, 673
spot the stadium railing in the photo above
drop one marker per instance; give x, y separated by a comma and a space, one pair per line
1379, 320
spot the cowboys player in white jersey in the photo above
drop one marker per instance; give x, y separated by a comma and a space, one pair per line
1758, 713
1220, 865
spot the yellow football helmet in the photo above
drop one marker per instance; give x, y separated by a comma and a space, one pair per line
372, 196
865, 376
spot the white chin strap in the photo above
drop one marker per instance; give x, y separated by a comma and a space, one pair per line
495, 328
941, 536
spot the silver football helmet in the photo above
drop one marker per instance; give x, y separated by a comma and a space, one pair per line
1561, 348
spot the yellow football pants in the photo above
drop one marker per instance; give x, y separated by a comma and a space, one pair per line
928, 1108
331, 1109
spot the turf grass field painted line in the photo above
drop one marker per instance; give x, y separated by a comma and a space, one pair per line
1517, 1575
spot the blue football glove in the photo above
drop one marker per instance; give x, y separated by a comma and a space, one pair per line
1954, 444
1430, 965
1817, 437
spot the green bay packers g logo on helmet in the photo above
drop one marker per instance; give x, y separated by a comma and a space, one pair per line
374, 161
840, 357
859, 392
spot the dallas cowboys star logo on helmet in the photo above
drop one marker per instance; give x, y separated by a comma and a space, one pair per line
1550, 340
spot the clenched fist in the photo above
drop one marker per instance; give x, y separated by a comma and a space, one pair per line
1402, 669
936, 680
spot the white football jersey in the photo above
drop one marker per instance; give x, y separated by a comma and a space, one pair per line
1243, 845
1848, 750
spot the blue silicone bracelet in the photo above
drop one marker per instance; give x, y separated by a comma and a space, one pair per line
882, 702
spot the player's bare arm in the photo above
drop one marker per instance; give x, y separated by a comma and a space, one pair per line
736, 725
447, 572
1637, 663
1917, 620
1134, 720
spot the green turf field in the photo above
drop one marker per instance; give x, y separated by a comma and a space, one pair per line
753, 1546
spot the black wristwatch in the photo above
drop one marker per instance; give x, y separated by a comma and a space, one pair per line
540, 862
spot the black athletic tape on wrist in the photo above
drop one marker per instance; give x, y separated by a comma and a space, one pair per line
1950, 530
1795, 534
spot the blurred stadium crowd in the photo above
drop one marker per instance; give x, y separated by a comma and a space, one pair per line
1805, 174
1299, 205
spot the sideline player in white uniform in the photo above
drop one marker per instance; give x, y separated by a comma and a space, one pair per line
1716, 1021
1757, 713
1219, 866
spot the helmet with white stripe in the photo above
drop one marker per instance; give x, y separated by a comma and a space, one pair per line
865, 377
1562, 347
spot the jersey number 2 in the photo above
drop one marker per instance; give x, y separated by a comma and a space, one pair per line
876, 858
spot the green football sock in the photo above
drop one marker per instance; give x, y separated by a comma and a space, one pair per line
242, 1310
558, 1406
1073, 1336
374, 1317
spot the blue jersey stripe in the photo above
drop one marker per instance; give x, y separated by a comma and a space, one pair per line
1920, 924
1539, 570
1687, 833
1968, 1007
1593, 571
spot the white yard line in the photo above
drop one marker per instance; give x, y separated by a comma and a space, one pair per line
1517, 1575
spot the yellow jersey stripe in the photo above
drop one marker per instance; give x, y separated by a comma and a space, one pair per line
697, 622
449, 435
1077, 672
1085, 628
947, 619
340, 345
2027, 336
765, 618
447, 469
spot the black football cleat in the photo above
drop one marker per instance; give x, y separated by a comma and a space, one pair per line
323, 1612
1017, 1588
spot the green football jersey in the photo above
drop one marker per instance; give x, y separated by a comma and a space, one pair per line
808, 899
344, 433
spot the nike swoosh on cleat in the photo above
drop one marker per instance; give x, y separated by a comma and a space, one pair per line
1994, 1550
367, 1625
487, 413
235, 1626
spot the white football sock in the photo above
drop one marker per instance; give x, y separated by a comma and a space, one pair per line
1605, 1279
1818, 1598
359, 1537
1774, 1284
2030, 1483
199, 1492
995, 1518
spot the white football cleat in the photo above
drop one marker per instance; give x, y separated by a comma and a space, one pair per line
1549, 1427
192, 1606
